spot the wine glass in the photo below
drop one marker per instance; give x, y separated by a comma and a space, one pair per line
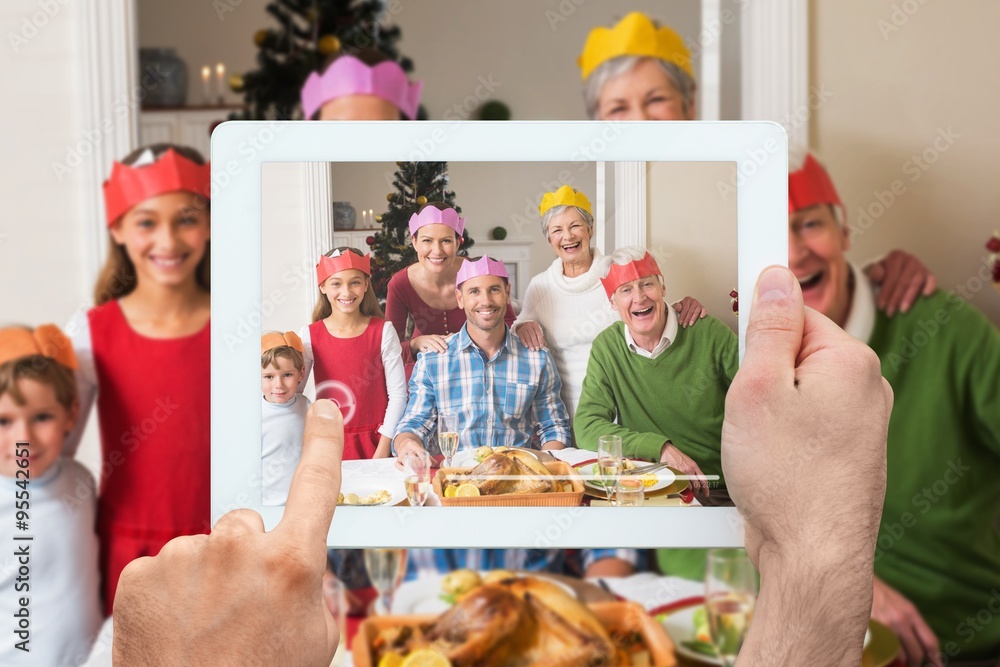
447, 435
609, 462
730, 596
335, 597
629, 492
386, 568
418, 483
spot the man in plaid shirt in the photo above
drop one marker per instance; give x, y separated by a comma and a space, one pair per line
502, 392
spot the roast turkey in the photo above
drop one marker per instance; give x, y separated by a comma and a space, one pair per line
510, 472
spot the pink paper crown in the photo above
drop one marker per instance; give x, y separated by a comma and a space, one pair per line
619, 274
348, 75
811, 186
432, 215
173, 172
484, 266
348, 259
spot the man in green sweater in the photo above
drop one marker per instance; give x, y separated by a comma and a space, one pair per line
661, 388
937, 562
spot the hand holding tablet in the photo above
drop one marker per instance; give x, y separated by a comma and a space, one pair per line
240, 595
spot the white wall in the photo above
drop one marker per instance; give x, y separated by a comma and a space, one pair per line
692, 232
42, 240
286, 273
898, 82
529, 48
503, 194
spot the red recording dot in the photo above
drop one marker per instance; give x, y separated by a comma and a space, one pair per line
687, 495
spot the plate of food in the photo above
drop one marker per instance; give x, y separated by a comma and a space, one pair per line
370, 493
513, 622
655, 481
439, 593
688, 627
511, 478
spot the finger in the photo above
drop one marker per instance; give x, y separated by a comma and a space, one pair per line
896, 287
910, 291
312, 496
877, 272
245, 520
928, 640
911, 649
774, 332
930, 285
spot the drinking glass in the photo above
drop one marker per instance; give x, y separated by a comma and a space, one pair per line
730, 596
447, 435
418, 481
629, 492
386, 569
609, 462
335, 597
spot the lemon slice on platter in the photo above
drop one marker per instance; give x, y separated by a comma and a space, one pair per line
426, 657
467, 490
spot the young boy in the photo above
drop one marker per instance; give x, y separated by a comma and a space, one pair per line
48, 573
283, 413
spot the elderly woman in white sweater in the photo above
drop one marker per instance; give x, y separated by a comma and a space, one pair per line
565, 306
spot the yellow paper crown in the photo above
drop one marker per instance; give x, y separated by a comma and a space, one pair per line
635, 35
565, 196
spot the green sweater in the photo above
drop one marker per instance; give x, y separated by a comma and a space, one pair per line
680, 395
939, 541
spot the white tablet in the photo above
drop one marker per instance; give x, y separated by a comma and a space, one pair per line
706, 198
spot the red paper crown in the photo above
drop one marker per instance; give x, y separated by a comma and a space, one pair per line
171, 173
619, 274
348, 259
811, 186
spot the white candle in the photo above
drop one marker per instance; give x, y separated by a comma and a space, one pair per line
220, 75
371, 217
206, 72
364, 218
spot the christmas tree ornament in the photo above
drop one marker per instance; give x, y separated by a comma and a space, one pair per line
484, 266
634, 35
236, 83
565, 196
390, 197
734, 300
370, 240
350, 76
378, 218
435, 216
341, 261
172, 172
619, 274
421, 200
260, 37
328, 45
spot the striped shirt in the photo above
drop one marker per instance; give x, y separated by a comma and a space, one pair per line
427, 562
502, 400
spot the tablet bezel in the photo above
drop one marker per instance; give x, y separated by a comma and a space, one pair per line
239, 148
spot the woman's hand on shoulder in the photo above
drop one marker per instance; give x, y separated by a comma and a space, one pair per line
689, 310
428, 343
531, 335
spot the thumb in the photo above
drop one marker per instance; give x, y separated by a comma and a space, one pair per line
774, 332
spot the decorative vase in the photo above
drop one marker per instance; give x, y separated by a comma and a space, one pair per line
344, 215
163, 77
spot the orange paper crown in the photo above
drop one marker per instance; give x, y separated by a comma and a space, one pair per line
564, 196
811, 186
619, 274
46, 340
171, 173
347, 259
635, 35
269, 341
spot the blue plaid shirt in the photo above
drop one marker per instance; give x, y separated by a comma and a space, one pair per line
424, 562
499, 401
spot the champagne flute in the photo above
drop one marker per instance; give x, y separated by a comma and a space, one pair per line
447, 435
417, 484
730, 596
386, 568
609, 462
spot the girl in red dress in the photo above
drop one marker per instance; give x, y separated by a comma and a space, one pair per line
144, 353
357, 356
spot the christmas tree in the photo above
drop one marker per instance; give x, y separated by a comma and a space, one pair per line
416, 184
309, 32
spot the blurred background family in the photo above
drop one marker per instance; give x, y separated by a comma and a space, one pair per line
523, 346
